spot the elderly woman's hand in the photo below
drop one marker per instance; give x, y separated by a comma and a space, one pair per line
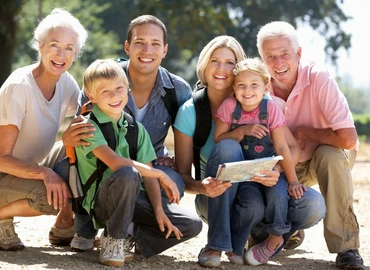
57, 189
269, 179
77, 132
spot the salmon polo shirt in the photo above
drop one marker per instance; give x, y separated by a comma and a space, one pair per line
315, 102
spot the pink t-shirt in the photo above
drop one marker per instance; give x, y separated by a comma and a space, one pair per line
316, 102
276, 118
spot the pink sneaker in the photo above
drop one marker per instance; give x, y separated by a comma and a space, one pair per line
259, 254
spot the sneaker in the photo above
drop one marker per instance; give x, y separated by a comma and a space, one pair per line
295, 240
116, 252
9, 240
349, 259
61, 237
259, 254
81, 244
235, 259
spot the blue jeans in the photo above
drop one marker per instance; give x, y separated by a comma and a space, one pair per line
232, 216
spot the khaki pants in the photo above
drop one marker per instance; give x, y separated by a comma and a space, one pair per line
13, 188
330, 167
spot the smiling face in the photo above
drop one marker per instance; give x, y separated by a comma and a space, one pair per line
146, 49
249, 89
282, 60
111, 96
219, 70
58, 51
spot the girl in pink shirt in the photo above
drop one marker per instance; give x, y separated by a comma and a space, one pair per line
257, 123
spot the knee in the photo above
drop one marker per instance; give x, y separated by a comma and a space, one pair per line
328, 155
129, 175
194, 226
230, 149
38, 200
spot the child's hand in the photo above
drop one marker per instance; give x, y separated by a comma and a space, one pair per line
164, 222
256, 130
296, 189
170, 188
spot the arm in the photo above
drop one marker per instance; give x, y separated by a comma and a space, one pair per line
154, 194
113, 161
281, 148
222, 131
184, 160
345, 138
57, 190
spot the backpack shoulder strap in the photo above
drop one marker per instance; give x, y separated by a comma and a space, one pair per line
202, 126
170, 99
131, 135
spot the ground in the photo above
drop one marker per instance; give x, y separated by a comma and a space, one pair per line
312, 254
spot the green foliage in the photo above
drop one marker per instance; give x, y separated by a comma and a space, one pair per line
190, 25
362, 123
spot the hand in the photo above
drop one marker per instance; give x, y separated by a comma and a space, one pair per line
256, 130
170, 188
296, 189
299, 134
57, 189
166, 161
77, 132
269, 179
164, 222
213, 188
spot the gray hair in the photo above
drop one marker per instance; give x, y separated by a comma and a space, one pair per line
59, 18
277, 29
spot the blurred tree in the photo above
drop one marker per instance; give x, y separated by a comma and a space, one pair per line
191, 24
9, 11
358, 99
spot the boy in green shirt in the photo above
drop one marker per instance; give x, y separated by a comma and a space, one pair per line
113, 202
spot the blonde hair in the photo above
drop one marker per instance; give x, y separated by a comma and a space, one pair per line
59, 18
277, 29
102, 69
218, 42
254, 65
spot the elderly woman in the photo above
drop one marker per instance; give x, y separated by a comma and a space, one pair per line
34, 100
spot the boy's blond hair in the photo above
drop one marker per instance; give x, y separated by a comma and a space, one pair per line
102, 69
254, 65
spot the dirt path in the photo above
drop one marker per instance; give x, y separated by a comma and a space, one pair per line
312, 254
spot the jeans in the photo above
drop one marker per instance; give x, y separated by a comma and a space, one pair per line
149, 238
239, 211
115, 201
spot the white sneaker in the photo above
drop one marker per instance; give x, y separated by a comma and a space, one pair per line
115, 252
81, 244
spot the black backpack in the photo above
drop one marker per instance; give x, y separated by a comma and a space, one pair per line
108, 133
170, 100
203, 124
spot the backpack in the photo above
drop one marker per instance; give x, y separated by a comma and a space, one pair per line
203, 124
78, 189
170, 100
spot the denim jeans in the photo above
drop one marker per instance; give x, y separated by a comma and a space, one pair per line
236, 213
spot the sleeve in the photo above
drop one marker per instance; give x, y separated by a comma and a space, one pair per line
226, 110
331, 100
186, 119
95, 141
13, 104
276, 116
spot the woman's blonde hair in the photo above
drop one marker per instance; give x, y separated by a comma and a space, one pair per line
218, 42
102, 69
254, 65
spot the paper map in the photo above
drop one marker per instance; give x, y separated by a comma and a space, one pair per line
245, 170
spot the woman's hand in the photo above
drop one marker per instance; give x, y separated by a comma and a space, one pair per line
269, 179
169, 187
214, 188
56, 188
77, 132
